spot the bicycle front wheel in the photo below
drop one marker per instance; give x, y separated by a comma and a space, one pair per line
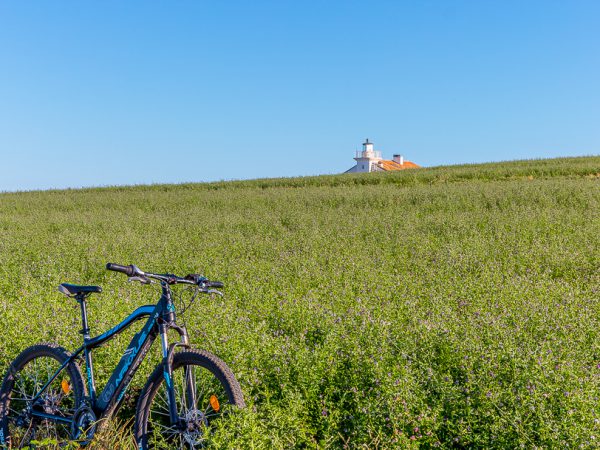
205, 391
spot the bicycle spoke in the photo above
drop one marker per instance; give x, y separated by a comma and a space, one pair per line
155, 411
193, 386
29, 378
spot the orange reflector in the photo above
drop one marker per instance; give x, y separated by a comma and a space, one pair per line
214, 402
66, 387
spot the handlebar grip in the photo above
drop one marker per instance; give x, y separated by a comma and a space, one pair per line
215, 284
127, 270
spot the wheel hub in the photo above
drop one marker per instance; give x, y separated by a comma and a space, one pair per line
194, 421
47, 404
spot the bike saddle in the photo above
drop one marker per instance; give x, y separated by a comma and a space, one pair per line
71, 290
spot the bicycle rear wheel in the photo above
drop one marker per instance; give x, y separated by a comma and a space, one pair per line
205, 391
27, 374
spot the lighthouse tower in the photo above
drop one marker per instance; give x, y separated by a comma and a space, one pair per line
367, 158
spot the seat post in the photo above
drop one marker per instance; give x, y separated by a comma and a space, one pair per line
84, 320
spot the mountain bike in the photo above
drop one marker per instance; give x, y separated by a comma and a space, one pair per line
43, 397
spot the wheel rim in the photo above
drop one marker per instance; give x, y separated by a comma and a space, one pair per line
23, 427
201, 401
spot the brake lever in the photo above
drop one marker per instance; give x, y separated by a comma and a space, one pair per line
213, 291
142, 280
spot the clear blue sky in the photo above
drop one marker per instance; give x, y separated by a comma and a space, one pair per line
113, 92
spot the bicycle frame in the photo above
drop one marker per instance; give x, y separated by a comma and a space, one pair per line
161, 317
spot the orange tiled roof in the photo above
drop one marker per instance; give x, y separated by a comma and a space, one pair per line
386, 164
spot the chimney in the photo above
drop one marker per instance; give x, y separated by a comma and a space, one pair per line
399, 159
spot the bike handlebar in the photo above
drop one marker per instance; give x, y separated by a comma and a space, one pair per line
127, 270
133, 271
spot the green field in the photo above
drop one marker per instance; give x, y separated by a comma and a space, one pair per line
449, 307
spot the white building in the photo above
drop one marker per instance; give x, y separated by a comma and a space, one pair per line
370, 160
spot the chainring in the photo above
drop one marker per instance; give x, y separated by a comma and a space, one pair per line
84, 425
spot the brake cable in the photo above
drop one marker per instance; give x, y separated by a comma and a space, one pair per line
185, 307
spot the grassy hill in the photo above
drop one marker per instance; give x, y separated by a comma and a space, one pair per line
445, 307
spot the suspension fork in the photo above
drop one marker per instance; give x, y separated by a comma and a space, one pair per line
168, 374
168, 355
189, 399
